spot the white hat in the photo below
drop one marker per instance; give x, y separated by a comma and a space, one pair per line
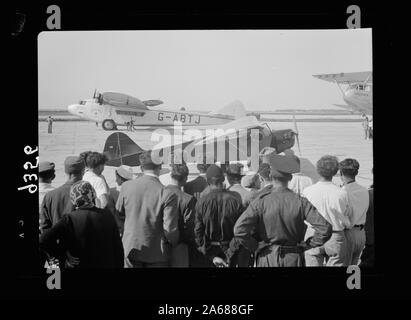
125, 172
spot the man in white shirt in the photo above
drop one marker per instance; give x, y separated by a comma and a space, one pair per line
332, 203
46, 176
95, 162
359, 200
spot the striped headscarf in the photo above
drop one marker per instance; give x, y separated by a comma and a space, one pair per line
82, 195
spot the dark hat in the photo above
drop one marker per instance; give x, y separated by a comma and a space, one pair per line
125, 173
45, 166
283, 166
74, 164
215, 172
235, 169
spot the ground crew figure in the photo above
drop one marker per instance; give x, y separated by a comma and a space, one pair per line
370, 129
50, 124
273, 224
365, 125
131, 124
216, 214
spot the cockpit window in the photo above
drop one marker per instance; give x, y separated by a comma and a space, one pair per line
82, 102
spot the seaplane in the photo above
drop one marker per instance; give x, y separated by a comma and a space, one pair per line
113, 109
240, 140
356, 88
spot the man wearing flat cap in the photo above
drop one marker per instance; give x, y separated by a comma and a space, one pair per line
46, 176
216, 214
273, 224
151, 218
57, 202
123, 174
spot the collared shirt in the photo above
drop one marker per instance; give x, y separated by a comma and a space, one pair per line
331, 202
359, 201
151, 175
98, 182
299, 182
43, 189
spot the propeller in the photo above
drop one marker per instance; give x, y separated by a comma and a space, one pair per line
297, 134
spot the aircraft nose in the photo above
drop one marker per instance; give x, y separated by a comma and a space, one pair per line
72, 109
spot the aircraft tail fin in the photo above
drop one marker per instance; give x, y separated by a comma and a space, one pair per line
235, 108
121, 150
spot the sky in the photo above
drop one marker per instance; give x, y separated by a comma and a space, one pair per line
201, 69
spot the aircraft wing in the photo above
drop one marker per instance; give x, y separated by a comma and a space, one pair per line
152, 103
123, 100
346, 77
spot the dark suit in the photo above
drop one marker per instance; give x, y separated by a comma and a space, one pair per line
151, 223
88, 234
186, 209
216, 214
55, 204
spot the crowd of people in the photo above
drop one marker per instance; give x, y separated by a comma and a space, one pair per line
226, 217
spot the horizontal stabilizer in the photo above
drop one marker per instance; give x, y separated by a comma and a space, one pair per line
121, 150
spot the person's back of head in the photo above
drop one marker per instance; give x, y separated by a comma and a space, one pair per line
74, 167
179, 173
327, 167
94, 160
147, 164
123, 174
235, 173
349, 168
46, 172
215, 176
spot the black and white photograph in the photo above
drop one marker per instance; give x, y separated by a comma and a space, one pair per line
206, 148
205, 159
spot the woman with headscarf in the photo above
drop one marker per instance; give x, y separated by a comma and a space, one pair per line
89, 234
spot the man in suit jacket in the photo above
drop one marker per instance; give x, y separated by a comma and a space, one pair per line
151, 223
186, 249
